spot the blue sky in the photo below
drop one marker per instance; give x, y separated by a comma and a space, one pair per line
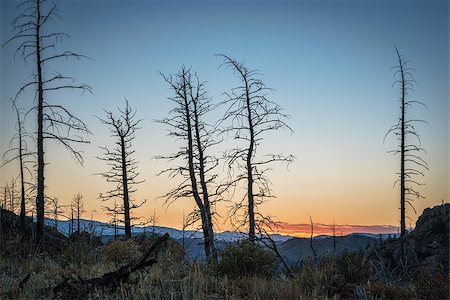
328, 61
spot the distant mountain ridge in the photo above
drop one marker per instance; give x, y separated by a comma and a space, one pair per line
102, 229
293, 249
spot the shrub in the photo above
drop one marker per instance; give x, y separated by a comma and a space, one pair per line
245, 258
380, 290
333, 276
80, 249
353, 267
122, 251
431, 285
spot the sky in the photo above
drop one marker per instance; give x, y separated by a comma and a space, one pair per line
329, 63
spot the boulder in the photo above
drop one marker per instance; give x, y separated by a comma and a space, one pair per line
427, 246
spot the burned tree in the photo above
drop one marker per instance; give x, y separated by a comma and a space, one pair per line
409, 148
18, 151
5, 196
78, 209
56, 210
114, 221
186, 123
250, 115
123, 167
37, 43
311, 244
10, 196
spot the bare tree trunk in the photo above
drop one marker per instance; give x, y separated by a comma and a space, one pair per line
311, 240
334, 239
29, 28
209, 237
126, 199
402, 164
12, 195
78, 220
190, 150
411, 164
5, 196
251, 202
56, 215
122, 166
22, 152
191, 105
22, 180
40, 138
71, 220
115, 220
251, 114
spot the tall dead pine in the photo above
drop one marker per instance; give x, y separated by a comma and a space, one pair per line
37, 43
123, 167
409, 145
249, 115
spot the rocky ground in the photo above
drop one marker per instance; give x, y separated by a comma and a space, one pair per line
427, 246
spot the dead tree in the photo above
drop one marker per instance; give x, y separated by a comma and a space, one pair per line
18, 151
78, 209
311, 240
54, 122
57, 210
152, 221
123, 167
114, 221
409, 148
268, 241
333, 229
71, 230
250, 115
5, 196
7, 199
194, 165
11, 196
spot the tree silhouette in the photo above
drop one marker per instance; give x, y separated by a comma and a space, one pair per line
114, 221
186, 123
18, 148
5, 196
123, 167
54, 122
251, 115
10, 195
56, 210
78, 209
409, 148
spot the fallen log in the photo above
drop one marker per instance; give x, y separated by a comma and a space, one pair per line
80, 288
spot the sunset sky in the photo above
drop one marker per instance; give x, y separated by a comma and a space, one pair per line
329, 63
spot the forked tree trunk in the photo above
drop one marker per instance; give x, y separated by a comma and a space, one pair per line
191, 167
209, 230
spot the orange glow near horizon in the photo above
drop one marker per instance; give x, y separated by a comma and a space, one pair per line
304, 230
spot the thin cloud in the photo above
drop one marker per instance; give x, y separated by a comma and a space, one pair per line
303, 229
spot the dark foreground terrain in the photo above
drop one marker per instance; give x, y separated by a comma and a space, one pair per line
156, 267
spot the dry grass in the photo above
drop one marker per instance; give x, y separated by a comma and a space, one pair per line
174, 278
